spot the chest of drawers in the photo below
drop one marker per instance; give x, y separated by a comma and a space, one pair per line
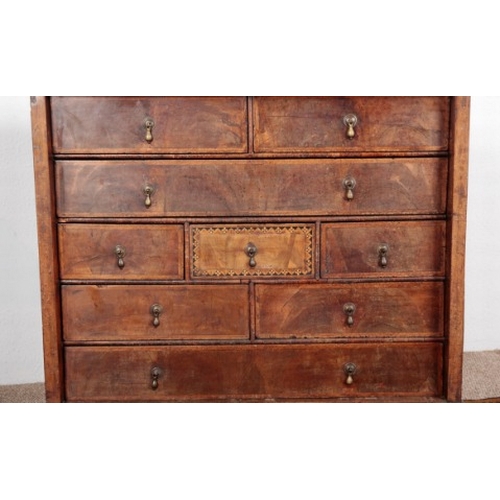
251, 249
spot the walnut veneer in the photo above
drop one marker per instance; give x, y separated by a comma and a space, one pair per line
252, 248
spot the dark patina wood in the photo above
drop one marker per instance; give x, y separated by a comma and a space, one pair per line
314, 124
399, 249
253, 249
120, 312
117, 125
404, 310
258, 187
121, 251
253, 372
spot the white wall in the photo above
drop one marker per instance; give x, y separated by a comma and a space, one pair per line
482, 283
21, 358
20, 316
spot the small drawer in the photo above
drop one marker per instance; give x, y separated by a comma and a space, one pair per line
154, 312
118, 125
282, 250
384, 249
351, 124
121, 251
254, 372
383, 310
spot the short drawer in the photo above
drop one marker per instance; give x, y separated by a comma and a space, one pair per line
257, 187
283, 250
154, 312
351, 124
117, 125
250, 372
384, 249
121, 251
369, 310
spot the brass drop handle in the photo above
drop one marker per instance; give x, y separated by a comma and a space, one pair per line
149, 124
349, 310
120, 254
382, 255
350, 121
148, 191
251, 251
349, 184
156, 310
350, 369
155, 375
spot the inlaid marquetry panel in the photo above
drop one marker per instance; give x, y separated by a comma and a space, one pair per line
284, 250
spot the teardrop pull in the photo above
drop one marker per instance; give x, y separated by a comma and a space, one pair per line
120, 254
156, 310
149, 124
350, 370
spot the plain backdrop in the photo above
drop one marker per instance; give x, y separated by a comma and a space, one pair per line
21, 357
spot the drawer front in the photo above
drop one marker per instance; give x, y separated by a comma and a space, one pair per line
117, 125
284, 250
241, 372
388, 310
121, 251
260, 187
321, 124
154, 312
384, 249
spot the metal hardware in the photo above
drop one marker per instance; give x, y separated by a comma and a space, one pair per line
350, 369
155, 375
120, 254
349, 310
251, 251
148, 191
349, 184
156, 310
350, 121
149, 124
382, 255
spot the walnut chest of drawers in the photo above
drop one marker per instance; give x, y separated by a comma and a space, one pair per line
252, 248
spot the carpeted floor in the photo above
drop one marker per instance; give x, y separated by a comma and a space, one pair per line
481, 376
481, 382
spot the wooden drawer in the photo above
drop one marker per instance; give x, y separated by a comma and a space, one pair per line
389, 310
154, 312
383, 249
247, 372
281, 250
316, 124
117, 125
121, 251
256, 187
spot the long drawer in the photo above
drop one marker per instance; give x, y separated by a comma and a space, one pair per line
118, 125
257, 187
351, 124
154, 312
388, 310
121, 251
247, 372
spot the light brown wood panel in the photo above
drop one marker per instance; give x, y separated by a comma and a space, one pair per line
410, 248
282, 250
315, 124
116, 125
89, 251
247, 372
115, 312
47, 249
388, 310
